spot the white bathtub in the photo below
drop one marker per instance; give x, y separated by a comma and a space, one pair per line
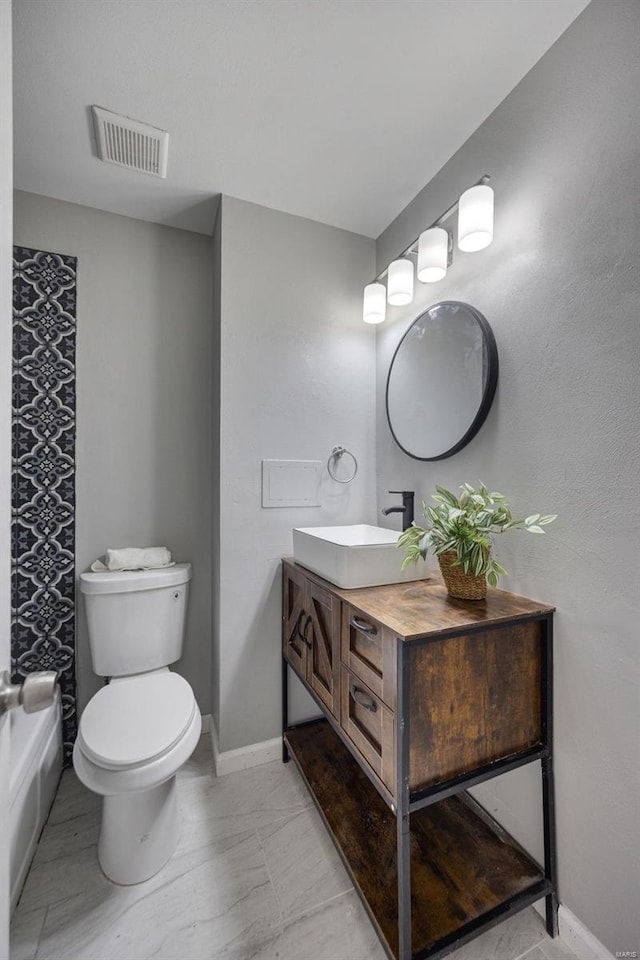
36, 764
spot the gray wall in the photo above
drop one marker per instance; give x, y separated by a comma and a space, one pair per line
559, 286
297, 378
144, 408
215, 472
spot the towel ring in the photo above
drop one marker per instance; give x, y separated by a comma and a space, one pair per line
336, 454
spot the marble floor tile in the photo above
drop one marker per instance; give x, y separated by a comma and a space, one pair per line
203, 901
200, 763
338, 930
303, 864
244, 800
53, 880
25, 933
508, 940
68, 837
549, 949
254, 877
72, 799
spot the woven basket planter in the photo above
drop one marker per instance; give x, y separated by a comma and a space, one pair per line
463, 586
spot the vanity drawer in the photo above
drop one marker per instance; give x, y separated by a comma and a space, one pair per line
369, 651
369, 724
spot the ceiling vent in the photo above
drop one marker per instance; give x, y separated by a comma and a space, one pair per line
130, 143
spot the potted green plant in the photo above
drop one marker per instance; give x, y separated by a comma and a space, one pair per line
460, 532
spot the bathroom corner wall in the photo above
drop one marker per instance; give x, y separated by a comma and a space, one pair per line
297, 378
144, 411
559, 286
215, 468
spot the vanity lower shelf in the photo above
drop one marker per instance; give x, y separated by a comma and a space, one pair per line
466, 871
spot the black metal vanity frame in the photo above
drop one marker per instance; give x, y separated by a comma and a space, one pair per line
410, 803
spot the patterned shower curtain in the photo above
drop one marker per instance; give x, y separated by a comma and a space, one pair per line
43, 495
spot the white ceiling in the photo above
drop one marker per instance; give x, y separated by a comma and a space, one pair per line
337, 110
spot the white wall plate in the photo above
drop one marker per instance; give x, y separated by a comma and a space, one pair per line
291, 483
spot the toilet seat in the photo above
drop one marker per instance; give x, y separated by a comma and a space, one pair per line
140, 823
136, 720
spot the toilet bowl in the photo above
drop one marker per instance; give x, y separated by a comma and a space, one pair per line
134, 736
138, 730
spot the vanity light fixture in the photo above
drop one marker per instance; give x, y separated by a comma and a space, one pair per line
374, 307
433, 254
475, 218
400, 282
434, 251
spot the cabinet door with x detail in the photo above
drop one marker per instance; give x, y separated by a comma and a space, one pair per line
294, 620
323, 665
311, 634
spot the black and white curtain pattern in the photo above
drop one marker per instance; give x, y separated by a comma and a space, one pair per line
44, 427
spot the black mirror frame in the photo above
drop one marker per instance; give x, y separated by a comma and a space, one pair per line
489, 386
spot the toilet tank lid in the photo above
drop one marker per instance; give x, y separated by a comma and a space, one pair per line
128, 581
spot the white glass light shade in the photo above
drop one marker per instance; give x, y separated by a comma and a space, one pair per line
400, 283
374, 306
433, 251
475, 218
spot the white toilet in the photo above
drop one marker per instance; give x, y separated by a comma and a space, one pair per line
139, 729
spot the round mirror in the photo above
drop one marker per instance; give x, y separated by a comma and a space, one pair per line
442, 380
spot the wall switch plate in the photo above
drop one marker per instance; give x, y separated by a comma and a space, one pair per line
291, 483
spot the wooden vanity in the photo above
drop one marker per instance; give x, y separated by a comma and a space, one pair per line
423, 696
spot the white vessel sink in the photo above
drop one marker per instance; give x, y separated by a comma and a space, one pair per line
358, 555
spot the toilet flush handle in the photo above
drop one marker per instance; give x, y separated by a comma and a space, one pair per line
36, 692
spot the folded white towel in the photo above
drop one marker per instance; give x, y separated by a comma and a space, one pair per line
134, 558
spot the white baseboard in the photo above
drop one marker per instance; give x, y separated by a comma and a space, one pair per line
230, 761
576, 936
579, 939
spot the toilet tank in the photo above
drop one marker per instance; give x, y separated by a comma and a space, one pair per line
136, 619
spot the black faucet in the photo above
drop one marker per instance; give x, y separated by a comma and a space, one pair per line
406, 509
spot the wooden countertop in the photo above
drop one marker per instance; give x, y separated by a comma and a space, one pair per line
423, 608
